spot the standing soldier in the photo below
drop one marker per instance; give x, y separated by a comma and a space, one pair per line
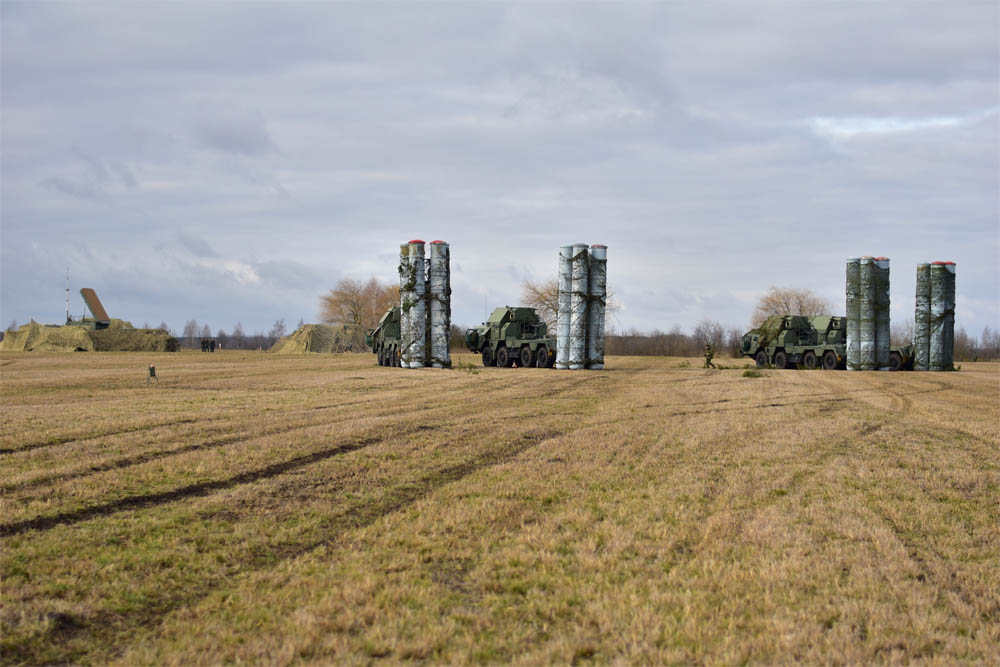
709, 353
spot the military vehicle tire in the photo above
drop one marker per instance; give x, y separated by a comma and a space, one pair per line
527, 358
829, 360
780, 359
488, 359
895, 361
761, 359
381, 358
504, 358
809, 359
541, 357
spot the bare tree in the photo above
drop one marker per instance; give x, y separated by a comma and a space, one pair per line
901, 333
12, 326
238, 335
302, 323
989, 344
544, 298
206, 331
358, 304
163, 327
965, 346
709, 332
190, 330
789, 301
734, 338
456, 337
145, 325
278, 330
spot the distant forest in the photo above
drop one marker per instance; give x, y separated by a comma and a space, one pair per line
358, 305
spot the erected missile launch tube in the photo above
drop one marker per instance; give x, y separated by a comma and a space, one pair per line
598, 284
405, 299
416, 337
578, 308
440, 304
949, 315
853, 313
882, 327
922, 319
942, 320
937, 317
866, 333
564, 306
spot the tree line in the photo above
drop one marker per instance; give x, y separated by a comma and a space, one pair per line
235, 339
357, 306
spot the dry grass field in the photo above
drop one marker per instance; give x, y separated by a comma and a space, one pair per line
319, 508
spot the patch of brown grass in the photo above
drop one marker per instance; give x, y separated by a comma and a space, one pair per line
320, 508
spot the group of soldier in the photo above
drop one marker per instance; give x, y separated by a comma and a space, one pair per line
208, 345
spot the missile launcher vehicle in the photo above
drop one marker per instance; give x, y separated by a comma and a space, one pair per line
513, 335
385, 340
790, 341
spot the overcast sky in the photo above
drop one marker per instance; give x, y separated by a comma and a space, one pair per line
231, 162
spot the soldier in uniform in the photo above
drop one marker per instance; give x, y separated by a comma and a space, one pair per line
709, 353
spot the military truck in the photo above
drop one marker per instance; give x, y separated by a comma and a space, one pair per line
785, 341
385, 340
513, 335
788, 341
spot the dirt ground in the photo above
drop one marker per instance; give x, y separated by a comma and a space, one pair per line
320, 508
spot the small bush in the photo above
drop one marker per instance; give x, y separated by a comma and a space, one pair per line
753, 373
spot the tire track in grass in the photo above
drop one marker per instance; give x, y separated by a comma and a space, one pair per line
62, 440
108, 629
200, 489
146, 457
79, 438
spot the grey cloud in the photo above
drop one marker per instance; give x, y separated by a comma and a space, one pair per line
233, 130
90, 191
269, 150
197, 246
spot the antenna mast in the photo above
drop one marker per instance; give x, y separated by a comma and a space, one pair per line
67, 295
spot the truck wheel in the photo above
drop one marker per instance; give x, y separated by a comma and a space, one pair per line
829, 360
541, 357
809, 360
895, 361
487, 356
381, 358
504, 358
761, 359
527, 359
780, 359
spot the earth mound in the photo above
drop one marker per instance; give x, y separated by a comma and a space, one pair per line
121, 336
319, 338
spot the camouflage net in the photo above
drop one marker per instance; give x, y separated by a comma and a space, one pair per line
121, 336
769, 330
321, 338
922, 319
